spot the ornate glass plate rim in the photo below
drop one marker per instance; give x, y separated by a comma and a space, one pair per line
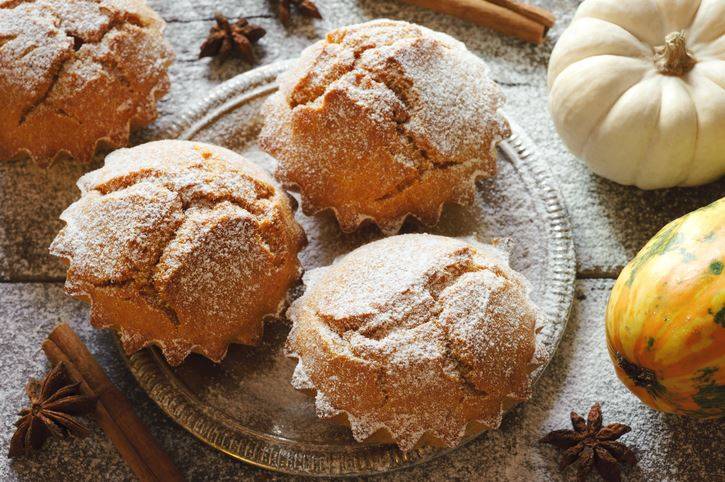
283, 455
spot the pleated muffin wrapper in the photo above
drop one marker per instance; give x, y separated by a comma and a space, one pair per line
181, 245
393, 372
78, 76
384, 120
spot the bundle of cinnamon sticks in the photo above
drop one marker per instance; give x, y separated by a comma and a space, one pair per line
520, 20
114, 413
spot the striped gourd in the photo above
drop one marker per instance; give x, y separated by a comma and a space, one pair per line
665, 319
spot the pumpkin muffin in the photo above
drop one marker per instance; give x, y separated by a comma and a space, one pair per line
415, 339
182, 245
383, 120
77, 75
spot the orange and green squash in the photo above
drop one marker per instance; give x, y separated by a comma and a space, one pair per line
665, 319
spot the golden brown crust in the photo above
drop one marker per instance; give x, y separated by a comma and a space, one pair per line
382, 120
183, 245
417, 338
78, 74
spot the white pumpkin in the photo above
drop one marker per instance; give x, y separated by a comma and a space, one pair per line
637, 90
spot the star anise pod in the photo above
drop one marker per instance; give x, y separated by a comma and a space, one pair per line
235, 39
592, 445
54, 402
306, 8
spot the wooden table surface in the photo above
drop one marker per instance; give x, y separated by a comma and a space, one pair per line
610, 222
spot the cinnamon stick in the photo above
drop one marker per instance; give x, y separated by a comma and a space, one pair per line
116, 417
505, 16
537, 14
104, 419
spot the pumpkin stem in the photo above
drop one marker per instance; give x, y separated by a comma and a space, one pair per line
673, 58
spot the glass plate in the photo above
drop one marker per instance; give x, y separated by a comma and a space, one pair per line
245, 406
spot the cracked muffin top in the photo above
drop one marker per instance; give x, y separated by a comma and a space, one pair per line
415, 339
383, 120
182, 245
77, 75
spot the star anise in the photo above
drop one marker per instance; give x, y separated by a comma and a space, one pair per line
235, 39
592, 446
53, 403
306, 8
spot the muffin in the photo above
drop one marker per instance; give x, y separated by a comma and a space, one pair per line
76, 75
383, 120
182, 245
415, 339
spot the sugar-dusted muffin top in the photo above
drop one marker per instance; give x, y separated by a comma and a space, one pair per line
417, 336
384, 119
76, 74
182, 245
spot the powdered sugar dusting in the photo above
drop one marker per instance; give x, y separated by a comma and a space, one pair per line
187, 246
104, 254
426, 121
75, 73
456, 133
417, 334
